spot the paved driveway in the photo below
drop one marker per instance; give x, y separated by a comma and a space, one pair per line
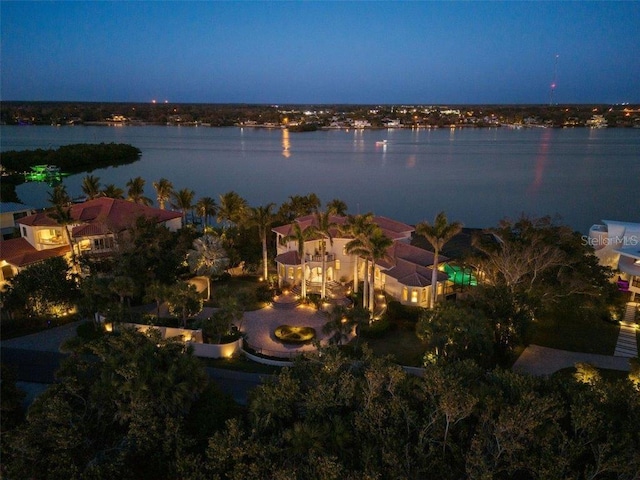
543, 361
259, 326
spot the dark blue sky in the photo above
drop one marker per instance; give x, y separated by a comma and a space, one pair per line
321, 52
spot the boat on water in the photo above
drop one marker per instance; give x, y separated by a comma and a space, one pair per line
43, 173
381, 143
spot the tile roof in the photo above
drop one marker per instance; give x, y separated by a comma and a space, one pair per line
20, 253
413, 275
410, 253
103, 215
391, 228
289, 258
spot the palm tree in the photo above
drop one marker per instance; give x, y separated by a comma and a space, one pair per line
437, 235
59, 196
62, 216
300, 235
206, 207
338, 207
123, 286
262, 217
135, 193
157, 292
183, 200
322, 228
339, 325
111, 191
91, 186
164, 189
208, 257
233, 208
359, 227
299, 206
378, 245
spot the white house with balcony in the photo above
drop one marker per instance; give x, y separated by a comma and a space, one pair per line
405, 274
617, 245
95, 227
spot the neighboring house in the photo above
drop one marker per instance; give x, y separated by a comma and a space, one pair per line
405, 274
18, 253
9, 214
617, 245
95, 228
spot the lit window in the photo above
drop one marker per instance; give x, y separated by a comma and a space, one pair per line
424, 295
337, 264
414, 296
405, 294
290, 272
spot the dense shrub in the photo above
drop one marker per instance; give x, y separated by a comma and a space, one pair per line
398, 313
376, 330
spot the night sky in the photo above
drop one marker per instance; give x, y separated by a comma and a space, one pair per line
321, 52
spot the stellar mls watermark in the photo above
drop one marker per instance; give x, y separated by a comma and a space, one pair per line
616, 241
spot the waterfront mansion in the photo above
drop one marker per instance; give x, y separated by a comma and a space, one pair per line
405, 274
94, 229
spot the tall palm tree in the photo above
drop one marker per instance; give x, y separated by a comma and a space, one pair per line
378, 245
164, 189
359, 227
111, 191
437, 235
262, 217
300, 235
62, 216
183, 201
206, 207
135, 193
323, 228
208, 257
91, 186
233, 208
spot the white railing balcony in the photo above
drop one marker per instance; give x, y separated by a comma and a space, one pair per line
329, 257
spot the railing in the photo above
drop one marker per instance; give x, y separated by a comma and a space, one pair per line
329, 257
52, 241
635, 283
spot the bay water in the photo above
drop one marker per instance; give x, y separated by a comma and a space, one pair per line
477, 176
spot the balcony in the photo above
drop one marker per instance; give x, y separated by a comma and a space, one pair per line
329, 257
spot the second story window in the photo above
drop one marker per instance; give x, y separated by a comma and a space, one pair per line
50, 236
103, 243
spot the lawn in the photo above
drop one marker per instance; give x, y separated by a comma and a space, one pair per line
247, 287
402, 345
575, 334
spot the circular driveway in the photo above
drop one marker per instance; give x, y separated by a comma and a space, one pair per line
259, 327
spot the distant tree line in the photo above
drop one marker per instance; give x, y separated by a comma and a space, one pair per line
73, 158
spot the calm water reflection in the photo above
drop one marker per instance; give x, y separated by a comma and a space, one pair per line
476, 175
